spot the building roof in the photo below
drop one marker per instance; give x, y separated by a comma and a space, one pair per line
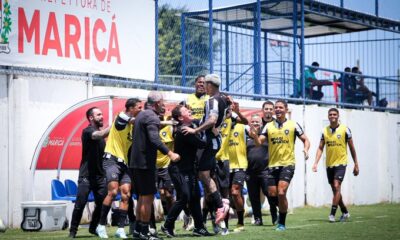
277, 16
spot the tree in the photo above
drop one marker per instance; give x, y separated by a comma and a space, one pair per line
196, 39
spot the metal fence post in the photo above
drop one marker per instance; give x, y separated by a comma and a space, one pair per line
210, 33
302, 51
227, 56
295, 82
377, 89
156, 42
257, 49
183, 49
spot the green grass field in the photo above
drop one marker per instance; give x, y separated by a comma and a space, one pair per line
367, 222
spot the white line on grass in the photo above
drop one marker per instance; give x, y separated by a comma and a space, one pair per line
384, 216
302, 226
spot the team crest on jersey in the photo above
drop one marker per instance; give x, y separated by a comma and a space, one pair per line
224, 125
235, 134
338, 136
5, 26
287, 131
164, 134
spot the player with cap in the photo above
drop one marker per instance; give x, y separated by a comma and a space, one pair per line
214, 114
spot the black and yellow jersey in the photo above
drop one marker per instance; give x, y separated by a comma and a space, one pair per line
120, 137
281, 139
166, 135
197, 105
237, 147
336, 144
223, 152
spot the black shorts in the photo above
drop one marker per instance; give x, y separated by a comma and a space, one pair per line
336, 173
144, 181
222, 174
276, 174
207, 159
206, 156
164, 180
238, 177
116, 171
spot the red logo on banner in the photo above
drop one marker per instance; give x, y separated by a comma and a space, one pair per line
75, 31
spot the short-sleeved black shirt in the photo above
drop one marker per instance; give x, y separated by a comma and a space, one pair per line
92, 154
215, 105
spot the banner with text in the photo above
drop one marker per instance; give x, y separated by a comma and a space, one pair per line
110, 37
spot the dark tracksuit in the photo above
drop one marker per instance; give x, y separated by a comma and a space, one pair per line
257, 178
184, 178
91, 178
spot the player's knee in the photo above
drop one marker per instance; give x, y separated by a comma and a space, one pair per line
336, 188
281, 193
235, 191
169, 196
112, 192
272, 193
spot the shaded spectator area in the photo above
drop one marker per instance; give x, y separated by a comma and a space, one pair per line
268, 47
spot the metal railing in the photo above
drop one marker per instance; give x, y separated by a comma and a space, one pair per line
393, 105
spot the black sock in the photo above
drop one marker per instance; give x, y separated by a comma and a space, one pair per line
216, 199
144, 228
186, 210
131, 214
344, 210
122, 218
240, 215
274, 201
227, 221
333, 210
152, 219
138, 226
282, 218
205, 214
103, 216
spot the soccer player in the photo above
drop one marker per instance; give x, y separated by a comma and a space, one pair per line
196, 101
336, 137
91, 173
117, 173
215, 110
164, 183
143, 160
184, 175
281, 134
222, 172
238, 166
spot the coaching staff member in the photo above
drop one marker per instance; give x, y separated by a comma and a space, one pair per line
144, 154
91, 174
183, 175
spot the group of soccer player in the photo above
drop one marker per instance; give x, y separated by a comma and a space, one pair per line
206, 144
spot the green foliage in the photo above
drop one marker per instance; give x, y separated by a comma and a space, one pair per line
169, 25
6, 22
170, 55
